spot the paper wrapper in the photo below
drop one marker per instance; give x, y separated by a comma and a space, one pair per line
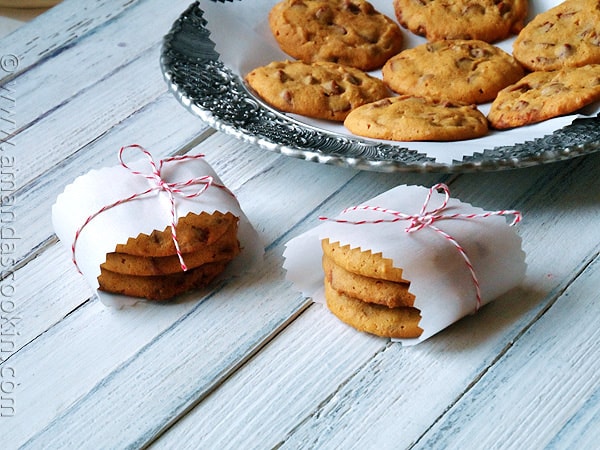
98, 188
439, 277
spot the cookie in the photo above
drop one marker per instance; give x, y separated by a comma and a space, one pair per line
362, 263
486, 20
160, 287
399, 323
567, 35
320, 90
224, 249
367, 289
148, 266
467, 71
543, 95
408, 118
194, 231
348, 32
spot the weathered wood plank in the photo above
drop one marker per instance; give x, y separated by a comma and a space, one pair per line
95, 331
57, 28
35, 282
289, 397
97, 56
412, 385
67, 129
545, 380
581, 430
35, 199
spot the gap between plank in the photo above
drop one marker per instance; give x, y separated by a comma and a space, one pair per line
230, 372
553, 299
52, 239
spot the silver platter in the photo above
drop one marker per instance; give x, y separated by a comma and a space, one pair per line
209, 89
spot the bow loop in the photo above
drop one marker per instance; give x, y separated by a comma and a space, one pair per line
156, 179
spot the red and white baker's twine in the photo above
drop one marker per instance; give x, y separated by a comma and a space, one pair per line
157, 184
427, 219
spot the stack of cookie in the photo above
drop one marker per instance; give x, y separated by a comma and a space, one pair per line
148, 266
154, 229
365, 291
388, 271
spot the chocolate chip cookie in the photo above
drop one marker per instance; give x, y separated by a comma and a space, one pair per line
543, 95
567, 35
321, 90
486, 20
467, 71
349, 32
409, 118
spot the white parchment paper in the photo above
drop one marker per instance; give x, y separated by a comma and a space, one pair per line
244, 40
98, 188
440, 280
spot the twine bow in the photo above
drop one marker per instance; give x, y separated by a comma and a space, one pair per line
426, 219
157, 184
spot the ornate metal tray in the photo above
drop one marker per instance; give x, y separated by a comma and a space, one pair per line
205, 85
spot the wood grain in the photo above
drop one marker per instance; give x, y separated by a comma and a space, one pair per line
249, 362
411, 386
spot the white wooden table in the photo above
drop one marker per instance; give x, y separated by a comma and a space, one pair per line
251, 363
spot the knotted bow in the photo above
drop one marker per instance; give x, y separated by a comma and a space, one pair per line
157, 184
426, 219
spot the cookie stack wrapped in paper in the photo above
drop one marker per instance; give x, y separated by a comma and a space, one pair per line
153, 229
408, 263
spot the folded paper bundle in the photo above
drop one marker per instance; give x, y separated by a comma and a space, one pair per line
407, 263
154, 230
